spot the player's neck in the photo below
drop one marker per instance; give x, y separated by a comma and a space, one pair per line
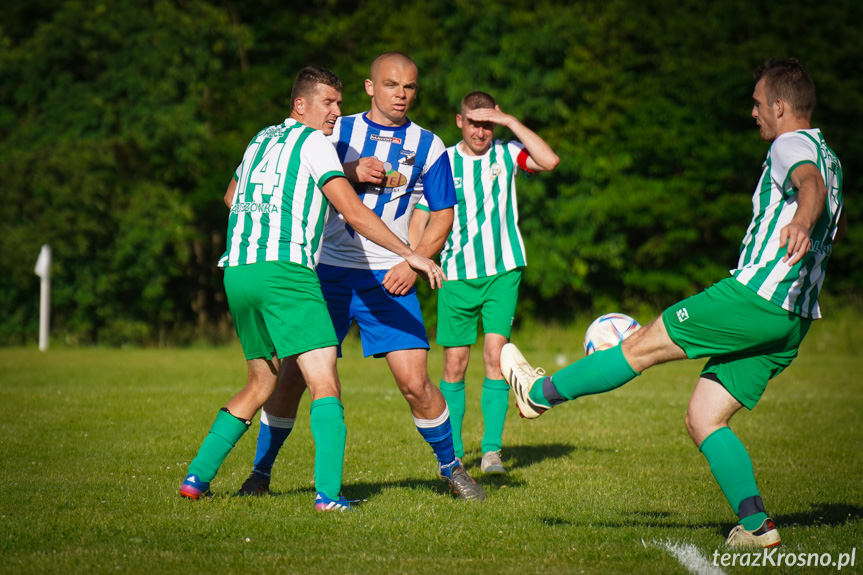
297, 117
793, 125
376, 116
464, 150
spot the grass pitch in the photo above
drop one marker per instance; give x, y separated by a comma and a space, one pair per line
96, 442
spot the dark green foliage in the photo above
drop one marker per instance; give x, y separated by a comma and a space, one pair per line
121, 125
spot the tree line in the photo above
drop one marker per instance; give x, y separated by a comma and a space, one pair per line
121, 125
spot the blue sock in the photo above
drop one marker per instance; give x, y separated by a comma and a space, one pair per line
273, 433
438, 433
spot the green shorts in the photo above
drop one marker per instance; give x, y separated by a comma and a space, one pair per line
278, 309
460, 303
748, 339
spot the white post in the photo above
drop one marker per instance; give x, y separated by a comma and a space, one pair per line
43, 270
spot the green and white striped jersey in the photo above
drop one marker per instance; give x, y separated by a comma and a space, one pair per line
279, 211
774, 204
485, 239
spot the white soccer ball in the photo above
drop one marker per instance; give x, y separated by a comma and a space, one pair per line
608, 330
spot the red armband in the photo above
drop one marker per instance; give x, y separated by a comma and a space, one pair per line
521, 161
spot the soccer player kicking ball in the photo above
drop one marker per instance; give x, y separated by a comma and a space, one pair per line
483, 260
280, 198
751, 324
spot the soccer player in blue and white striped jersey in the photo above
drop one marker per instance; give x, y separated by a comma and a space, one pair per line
392, 163
279, 199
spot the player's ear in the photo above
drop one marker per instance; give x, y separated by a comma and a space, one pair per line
779, 107
370, 88
459, 122
300, 105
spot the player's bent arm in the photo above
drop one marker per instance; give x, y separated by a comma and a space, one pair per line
542, 158
811, 197
435, 233
343, 197
426, 241
229, 195
400, 278
418, 223
366, 223
367, 170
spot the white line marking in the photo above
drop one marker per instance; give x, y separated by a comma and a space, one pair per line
689, 556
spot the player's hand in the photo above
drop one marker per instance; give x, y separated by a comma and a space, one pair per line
400, 279
493, 115
428, 269
368, 170
796, 237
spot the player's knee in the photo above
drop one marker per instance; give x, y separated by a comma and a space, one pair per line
455, 370
491, 358
259, 390
690, 423
415, 389
700, 425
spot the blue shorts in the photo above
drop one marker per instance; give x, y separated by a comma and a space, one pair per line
387, 322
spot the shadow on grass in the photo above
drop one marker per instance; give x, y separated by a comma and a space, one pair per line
519, 456
826, 514
365, 491
514, 457
653, 519
820, 514
831, 514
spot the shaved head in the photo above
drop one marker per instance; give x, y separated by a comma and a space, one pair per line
397, 58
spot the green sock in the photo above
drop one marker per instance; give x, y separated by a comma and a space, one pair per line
327, 421
597, 373
223, 436
495, 400
453, 393
732, 469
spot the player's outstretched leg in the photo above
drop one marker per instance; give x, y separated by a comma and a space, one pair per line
521, 377
535, 392
223, 435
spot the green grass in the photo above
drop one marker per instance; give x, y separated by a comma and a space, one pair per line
95, 444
